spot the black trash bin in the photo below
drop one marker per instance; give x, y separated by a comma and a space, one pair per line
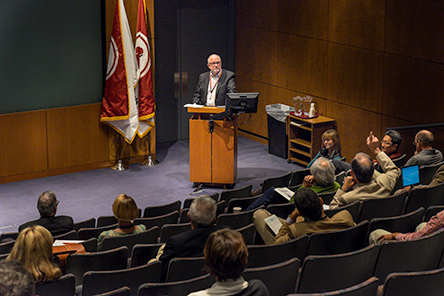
277, 137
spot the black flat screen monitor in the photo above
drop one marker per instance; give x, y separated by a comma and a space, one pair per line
242, 102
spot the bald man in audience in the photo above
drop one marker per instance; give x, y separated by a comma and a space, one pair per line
425, 154
361, 180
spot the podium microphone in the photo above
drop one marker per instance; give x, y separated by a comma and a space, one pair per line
211, 121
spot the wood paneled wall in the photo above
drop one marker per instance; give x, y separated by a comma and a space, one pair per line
65, 140
369, 64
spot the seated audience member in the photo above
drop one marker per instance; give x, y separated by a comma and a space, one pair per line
331, 146
15, 279
425, 228
390, 144
362, 176
425, 154
308, 217
47, 206
322, 179
191, 243
33, 249
226, 256
125, 210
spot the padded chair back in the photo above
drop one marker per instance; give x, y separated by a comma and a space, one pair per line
90, 223
8, 236
64, 286
426, 172
183, 218
281, 210
403, 223
264, 255
169, 230
398, 185
106, 220
399, 162
124, 291
425, 197
187, 202
297, 177
176, 288
353, 208
181, 269
327, 197
159, 221
156, 211
333, 272
339, 241
412, 255
236, 220
142, 253
6, 248
248, 233
281, 181
70, 235
236, 193
147, 237
96, 282
242, 202
90, 245
340, 177
432, 211
429, 282
382, 207
79, 263
280, 278
367, 288
87, 233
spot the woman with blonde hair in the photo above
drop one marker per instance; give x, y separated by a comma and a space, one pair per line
125, 210
33, 249
331, 146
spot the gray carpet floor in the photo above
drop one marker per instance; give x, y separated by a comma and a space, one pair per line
90, 194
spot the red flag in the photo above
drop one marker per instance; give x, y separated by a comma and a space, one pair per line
119, 108
145, 85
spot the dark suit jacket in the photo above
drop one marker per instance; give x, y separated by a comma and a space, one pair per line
55, 224
187, 244
226, 84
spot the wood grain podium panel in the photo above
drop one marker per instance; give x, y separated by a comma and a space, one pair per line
213, 156
224, 154
200, 151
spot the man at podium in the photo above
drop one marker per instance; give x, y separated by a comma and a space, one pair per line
214, 85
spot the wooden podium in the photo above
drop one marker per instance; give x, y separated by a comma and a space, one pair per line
213, 155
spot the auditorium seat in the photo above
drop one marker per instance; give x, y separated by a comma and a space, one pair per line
78, 264
150, 236
280, 278
263, 255
226, 195
155, 211
326, 273
176, 288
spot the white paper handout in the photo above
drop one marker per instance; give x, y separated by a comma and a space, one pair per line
285, 192
194, 105
274, 223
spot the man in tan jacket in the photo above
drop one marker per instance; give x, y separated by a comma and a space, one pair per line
364, 185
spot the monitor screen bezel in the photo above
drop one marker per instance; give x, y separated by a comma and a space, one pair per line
233, 102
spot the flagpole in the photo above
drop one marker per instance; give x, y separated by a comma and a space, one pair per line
149, 162
119, 149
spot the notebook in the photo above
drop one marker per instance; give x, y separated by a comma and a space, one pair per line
410, 175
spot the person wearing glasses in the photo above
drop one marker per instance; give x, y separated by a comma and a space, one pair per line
425, 154
214, 85
47, 206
